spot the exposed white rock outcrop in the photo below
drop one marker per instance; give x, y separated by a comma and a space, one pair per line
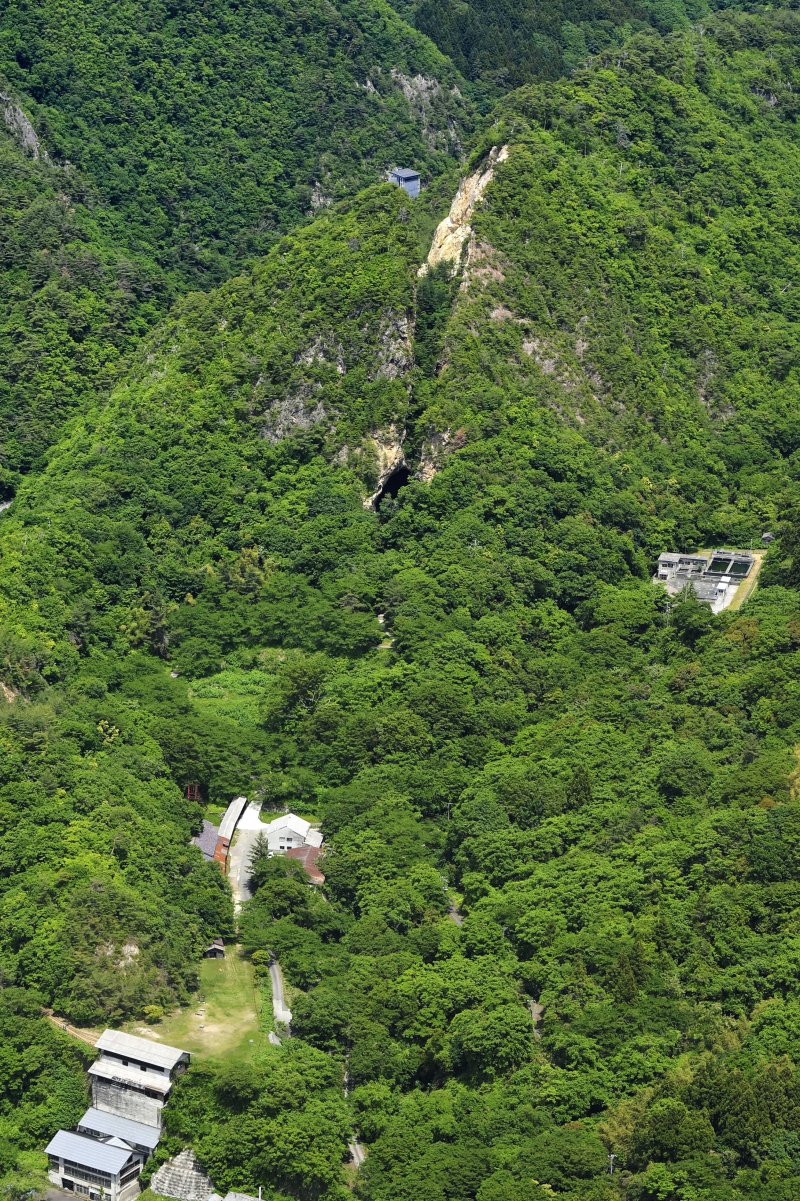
322, 351
295, 413
387, 447
423, 92
435, 449
456, 229
395, 347
302, 408
20, 127
319, 198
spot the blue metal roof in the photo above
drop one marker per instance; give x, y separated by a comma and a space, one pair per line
110, 1124
88, 1152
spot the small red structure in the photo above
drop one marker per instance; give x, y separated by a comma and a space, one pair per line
193, 792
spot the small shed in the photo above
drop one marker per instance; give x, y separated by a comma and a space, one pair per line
406, 179
216, 950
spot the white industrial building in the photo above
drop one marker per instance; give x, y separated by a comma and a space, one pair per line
96, 1123
288, 832
94, 1168
131, 1081
133, 1076
715, 579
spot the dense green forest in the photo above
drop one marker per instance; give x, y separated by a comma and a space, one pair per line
210, 129
559, 922
152, 148
73, 304
502, 44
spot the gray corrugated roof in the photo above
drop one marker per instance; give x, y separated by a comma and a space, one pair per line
110, 1124
131, 1047
88, 1152
405, 173
230, 818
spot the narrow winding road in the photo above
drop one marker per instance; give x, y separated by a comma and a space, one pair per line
283, 1015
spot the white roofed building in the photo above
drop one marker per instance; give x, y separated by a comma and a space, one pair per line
131, 1081
288, 832
141, 1052
133, 1076
93, 1168
97, 1123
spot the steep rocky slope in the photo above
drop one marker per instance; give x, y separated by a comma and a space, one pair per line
628, 279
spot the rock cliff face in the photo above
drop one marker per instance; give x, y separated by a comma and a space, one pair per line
20, 128
456, 229
435, 449
387, 446
395, 356
302, 407
429, 101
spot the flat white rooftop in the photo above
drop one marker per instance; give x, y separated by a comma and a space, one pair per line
110, 1069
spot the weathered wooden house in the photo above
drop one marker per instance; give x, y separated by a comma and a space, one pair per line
215, 950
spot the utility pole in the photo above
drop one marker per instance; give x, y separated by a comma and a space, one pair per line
611, 1159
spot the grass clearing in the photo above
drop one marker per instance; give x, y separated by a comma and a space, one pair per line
224, 1018
214, 814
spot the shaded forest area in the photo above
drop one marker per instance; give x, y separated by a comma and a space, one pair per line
506, 44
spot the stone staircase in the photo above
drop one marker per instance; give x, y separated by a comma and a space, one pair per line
183, 1179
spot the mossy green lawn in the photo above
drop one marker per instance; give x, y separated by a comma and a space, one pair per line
223, 1020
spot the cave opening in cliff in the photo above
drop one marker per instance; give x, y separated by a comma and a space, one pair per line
393, 483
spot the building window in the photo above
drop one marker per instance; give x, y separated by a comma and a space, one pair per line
79, 1172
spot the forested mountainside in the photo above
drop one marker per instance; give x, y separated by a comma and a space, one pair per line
505, 43
73, 303
146, 149
559, 917
211, 129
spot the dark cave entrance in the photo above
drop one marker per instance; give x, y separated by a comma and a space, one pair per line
397, 480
